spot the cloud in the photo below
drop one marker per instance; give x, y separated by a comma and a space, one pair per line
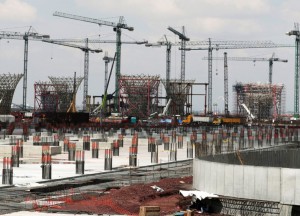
17, 10
258, 6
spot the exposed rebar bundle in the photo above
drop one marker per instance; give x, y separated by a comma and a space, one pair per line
65, 89
8, 84
264, 101
138, 95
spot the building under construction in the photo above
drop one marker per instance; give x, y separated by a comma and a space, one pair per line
8, 84
265, 101
138, 95
181, 94
66, 88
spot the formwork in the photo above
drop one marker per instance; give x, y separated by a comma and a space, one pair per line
180, 93
64, 87
138, 95
265, 101
46, 96
8, 84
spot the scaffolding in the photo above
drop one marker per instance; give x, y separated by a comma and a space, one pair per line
8, 84
64, 87
181, 94
46, 97
138, 95
265, 101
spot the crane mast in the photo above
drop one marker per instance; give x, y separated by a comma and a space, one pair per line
270, 60
226, 84
86, 51
26, 37
117, 28
296, 32
183, 39
218, 45
106, 60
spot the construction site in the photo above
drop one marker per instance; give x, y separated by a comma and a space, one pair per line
145, 148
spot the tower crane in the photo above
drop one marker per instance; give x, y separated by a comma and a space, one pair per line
296, 32
117, 28
211, 45
168, 45
270, 60
26, 37
86, 51
94, 41
106, 60
183, 39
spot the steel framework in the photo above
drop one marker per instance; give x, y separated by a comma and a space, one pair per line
64, 87
8, 84
180, 93
265, 101
138, 95
46, 96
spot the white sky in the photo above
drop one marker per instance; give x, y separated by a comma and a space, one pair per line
203, 19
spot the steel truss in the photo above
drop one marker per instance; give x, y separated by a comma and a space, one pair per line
234, 206
8, 84
180, 93
46, 97
64, 87
138, 95
265, 101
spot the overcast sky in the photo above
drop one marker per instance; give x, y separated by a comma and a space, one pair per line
203, 19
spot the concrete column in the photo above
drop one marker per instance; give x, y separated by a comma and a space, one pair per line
79, 162
7, 171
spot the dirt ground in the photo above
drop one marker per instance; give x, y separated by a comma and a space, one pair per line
127, 200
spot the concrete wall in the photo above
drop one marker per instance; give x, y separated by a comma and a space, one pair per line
249, 182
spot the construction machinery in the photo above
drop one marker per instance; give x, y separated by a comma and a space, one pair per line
86, 51
270, 60
29, 35
211, 45
116, 27
296, 33
183, 39
250, 116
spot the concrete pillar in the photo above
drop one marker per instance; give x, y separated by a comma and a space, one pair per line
7, 171
86, 142
95, 149
108, 159
154, 154
66, 144
121, 140
79, 162
173, 152
180, 142
133, 156
46, 163
189, 150
166, 143
15, 156
71, 151
20, 146
116, 148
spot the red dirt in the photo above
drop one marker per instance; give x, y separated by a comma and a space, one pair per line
127, 200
